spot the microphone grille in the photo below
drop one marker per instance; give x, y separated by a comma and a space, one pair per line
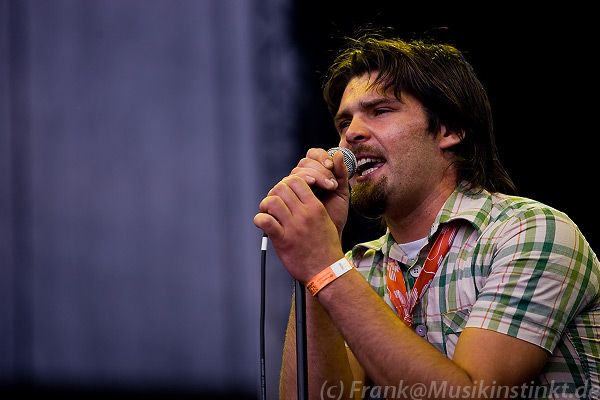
349, 159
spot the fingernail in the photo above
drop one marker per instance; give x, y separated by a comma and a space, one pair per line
332, 183
328, 163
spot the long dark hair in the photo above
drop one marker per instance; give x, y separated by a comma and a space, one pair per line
444, 82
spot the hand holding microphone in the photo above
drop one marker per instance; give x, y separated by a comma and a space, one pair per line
316, 160
305, 230
305, 234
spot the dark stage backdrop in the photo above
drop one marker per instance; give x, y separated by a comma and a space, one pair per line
137, 138
535, 63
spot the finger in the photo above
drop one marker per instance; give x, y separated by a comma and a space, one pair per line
320, 155
317, 165
297, 194
288, 198
307, 174
329, 179
315, 169
269, 225
321, 164
322, 178
275, 206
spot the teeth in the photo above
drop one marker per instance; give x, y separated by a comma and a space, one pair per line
363, 161
368, 171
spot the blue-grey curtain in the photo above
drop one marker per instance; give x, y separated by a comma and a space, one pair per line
136, 139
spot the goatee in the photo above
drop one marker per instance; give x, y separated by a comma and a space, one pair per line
369, 200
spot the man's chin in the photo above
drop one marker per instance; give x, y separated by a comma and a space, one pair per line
369, 200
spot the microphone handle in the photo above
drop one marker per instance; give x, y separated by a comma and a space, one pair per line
301, 346
300, 292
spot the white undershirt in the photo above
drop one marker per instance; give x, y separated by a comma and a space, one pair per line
412, 249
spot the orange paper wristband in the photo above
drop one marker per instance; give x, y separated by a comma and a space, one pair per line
328, 275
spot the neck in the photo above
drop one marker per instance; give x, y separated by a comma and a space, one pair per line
416, 224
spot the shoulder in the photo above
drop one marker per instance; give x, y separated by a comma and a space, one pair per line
531, 242
505, 207
533, 224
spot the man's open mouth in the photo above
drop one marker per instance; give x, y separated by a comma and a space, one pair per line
366, 165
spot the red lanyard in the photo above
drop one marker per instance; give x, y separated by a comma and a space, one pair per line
396, 287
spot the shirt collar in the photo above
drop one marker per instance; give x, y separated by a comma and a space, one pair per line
472, 205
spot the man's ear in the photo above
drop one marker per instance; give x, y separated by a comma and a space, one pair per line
448, 138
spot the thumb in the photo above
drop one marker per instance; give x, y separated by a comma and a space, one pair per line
340, 171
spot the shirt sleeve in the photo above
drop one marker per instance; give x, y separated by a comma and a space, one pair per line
542, 273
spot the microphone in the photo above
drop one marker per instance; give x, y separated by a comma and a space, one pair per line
349, 159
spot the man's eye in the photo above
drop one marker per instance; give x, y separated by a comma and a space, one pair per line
343, 125
379, 111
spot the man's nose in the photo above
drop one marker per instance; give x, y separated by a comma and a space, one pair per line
356, 132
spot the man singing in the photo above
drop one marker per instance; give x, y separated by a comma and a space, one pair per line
470, 287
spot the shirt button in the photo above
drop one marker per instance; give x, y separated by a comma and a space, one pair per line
415, 271
421, 330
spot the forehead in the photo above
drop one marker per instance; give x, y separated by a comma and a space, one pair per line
361, 87
361, 93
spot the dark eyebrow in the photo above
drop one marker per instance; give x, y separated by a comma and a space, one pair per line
365, 105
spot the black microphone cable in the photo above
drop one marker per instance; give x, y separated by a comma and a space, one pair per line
263, 262
300, 327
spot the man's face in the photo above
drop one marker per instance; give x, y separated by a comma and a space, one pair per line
399, 160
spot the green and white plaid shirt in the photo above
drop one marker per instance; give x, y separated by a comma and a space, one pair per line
517, 267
